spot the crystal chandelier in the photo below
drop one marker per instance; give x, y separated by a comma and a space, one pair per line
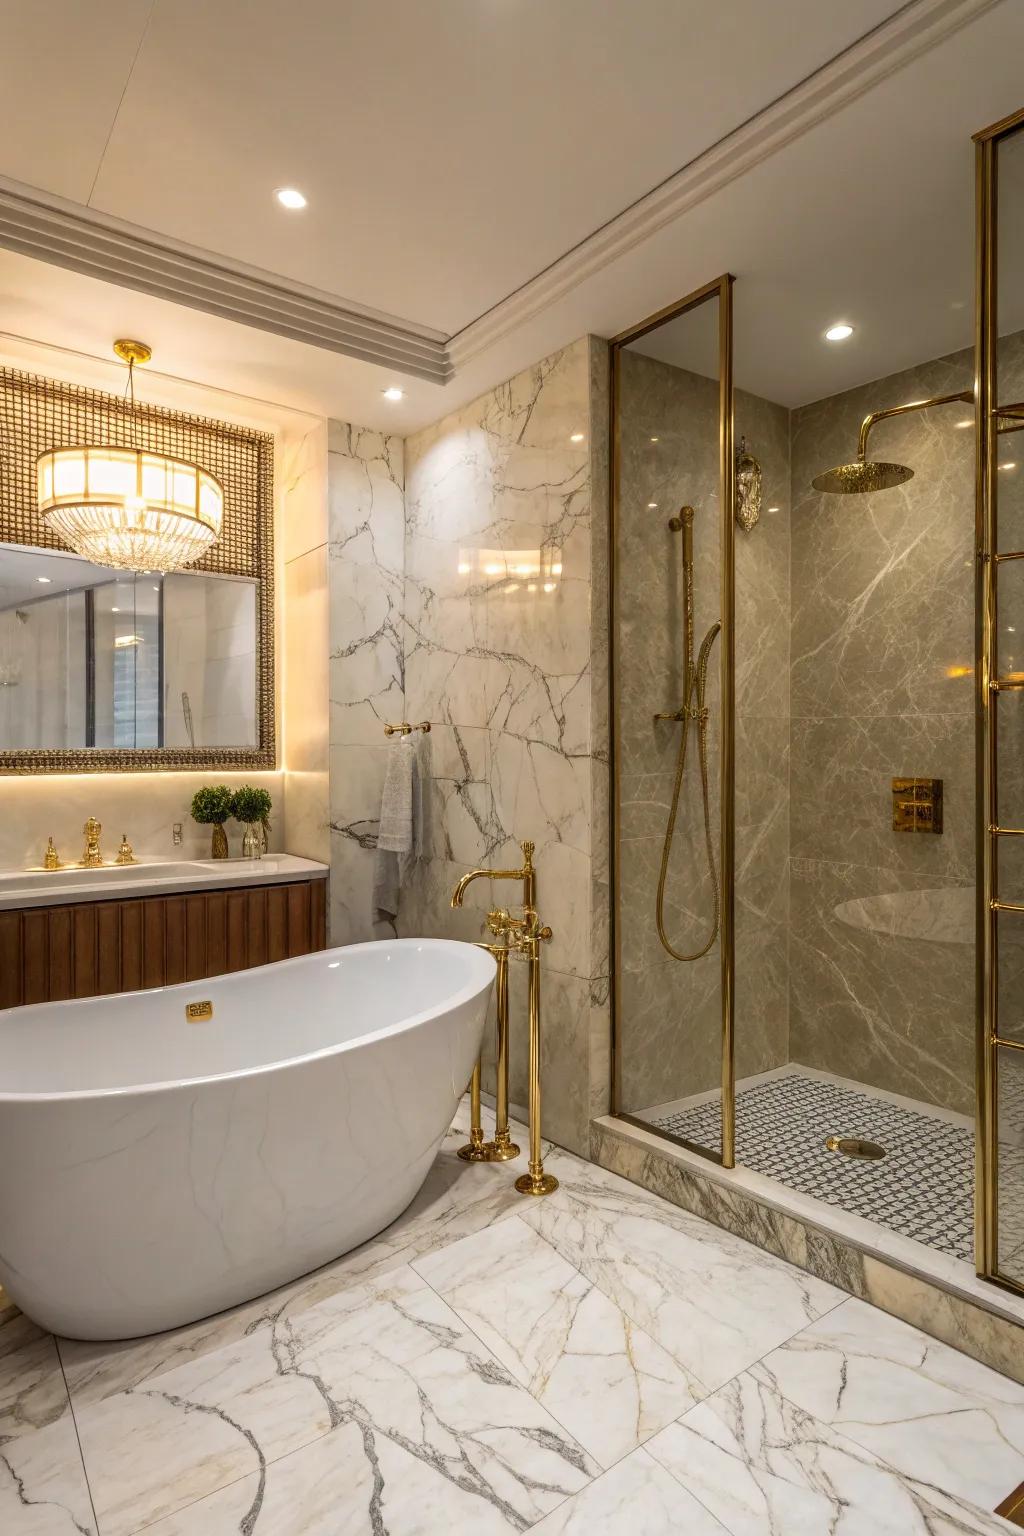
130, 508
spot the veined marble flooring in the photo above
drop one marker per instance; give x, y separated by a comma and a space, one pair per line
597, 1362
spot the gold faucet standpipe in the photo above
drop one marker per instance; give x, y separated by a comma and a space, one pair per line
475, 1149
92, 858
502, 1148
694, 708
536, 1181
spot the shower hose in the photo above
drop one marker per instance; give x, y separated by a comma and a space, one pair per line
694, 710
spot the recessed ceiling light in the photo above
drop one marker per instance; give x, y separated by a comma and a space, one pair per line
651, 505
290, 197
115, 610
393, 393
968, 421
1011, 465
576, 437
654, 439
839, 332
773, 509
44, 579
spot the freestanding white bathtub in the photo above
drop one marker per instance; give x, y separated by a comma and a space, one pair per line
156, 1166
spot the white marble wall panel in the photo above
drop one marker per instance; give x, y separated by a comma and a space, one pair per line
502, 667
365, 554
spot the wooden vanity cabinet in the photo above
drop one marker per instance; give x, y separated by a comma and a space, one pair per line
88, 948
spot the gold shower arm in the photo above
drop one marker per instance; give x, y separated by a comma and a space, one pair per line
901, 410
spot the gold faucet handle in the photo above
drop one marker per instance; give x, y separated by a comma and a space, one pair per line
498, 921
124, 853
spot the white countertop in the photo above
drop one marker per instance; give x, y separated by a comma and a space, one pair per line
149, 877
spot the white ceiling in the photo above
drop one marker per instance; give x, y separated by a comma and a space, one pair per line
451, 150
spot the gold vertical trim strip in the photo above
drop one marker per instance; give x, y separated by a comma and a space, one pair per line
615, 743
986, 1146
727, 937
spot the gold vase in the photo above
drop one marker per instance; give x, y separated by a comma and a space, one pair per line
219, 850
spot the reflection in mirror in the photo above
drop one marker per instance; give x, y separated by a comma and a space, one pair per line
96, 658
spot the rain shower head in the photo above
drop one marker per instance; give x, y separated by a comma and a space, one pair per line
863, 475
866, 474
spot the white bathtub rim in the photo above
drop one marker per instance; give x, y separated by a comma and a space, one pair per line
447, 1005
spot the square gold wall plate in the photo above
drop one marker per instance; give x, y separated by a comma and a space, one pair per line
917, 805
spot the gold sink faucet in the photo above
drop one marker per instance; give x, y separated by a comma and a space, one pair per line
92, 858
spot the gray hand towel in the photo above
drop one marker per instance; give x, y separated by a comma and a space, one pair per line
400, 836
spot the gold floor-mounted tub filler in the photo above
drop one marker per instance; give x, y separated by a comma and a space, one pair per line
524, 936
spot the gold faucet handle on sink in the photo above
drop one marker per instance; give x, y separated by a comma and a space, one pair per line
51, 858
92, 858
124, 853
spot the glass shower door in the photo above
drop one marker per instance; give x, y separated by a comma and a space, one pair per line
672, 713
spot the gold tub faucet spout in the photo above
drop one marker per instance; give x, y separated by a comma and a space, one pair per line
526, 874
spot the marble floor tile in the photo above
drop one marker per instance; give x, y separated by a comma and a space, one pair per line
603, 1378
931, 1412
637, 1496
715, 1302
456, 1198
764, 1467
33, 1393
43, 1491
416, 1412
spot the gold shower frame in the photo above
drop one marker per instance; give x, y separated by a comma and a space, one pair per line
722, 289
990, 421
37, 414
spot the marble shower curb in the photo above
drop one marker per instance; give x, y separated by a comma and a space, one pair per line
989, 1328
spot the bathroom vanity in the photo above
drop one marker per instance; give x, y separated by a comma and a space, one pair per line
83, 933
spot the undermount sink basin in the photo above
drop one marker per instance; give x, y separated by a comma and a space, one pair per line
24, 879
47, 887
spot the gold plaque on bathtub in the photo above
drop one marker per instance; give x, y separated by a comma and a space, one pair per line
195, 1012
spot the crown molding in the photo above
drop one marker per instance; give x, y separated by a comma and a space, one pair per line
916, 28
65, 234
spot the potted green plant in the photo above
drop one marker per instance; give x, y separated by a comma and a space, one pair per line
211, 806
252, 806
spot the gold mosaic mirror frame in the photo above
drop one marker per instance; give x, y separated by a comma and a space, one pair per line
37, 414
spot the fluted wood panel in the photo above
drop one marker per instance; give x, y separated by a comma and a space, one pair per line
48, 954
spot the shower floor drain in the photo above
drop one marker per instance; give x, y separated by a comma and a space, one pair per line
854, 1146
